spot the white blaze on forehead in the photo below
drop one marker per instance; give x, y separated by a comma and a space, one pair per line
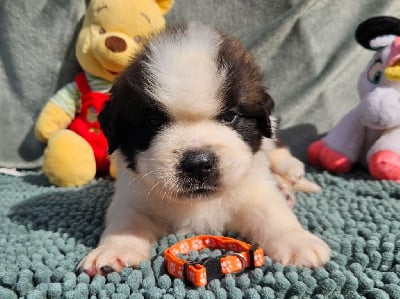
183, 73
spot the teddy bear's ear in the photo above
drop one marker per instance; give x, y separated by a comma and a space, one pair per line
376, 27
165, 5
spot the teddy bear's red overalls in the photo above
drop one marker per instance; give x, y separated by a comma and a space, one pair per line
86, 124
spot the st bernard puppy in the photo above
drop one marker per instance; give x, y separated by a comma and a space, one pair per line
190, 126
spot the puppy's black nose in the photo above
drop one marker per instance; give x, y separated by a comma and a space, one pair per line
198, 164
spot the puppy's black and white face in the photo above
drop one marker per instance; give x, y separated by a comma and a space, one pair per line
189, 113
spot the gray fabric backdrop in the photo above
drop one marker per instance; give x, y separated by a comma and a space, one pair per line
305, 48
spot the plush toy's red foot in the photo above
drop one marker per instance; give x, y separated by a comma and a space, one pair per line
320, 155
385, 165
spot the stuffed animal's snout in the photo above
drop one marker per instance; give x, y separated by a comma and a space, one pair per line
115, 44
114, 50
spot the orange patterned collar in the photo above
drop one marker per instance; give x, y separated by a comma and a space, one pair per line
241, 256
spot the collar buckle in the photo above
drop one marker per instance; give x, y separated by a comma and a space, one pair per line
213, 267
211, 264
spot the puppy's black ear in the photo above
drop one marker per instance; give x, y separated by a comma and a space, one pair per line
107, 123
268, 103
268, 107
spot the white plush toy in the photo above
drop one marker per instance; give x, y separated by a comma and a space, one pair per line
370, 133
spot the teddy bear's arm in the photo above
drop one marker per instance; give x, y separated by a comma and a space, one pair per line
347, 136
58, 113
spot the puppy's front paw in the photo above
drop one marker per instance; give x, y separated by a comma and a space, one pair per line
113, 256
298, 248
294, 171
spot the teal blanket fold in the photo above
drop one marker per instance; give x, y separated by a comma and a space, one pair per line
46, 230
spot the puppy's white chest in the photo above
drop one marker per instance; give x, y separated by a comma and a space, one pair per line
201, 217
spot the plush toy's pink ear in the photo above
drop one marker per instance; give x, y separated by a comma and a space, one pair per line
165, 5
375, 27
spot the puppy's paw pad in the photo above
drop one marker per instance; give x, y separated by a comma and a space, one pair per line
106, 259
300, 248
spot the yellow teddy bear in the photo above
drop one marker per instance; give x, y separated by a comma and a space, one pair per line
112, 32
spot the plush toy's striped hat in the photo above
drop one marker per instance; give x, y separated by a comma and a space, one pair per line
375, 27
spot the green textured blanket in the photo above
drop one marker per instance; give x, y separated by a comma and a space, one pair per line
46, 230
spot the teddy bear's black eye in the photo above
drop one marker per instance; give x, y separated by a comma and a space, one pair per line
102, 30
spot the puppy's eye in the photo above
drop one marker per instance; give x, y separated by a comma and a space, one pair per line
154, 122
102, 30
229, 117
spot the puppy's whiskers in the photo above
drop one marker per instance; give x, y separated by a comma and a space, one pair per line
151, 190
171, 186
140, 179
165, 193
170, 190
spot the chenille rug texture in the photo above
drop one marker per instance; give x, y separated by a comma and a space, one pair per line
46, 230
